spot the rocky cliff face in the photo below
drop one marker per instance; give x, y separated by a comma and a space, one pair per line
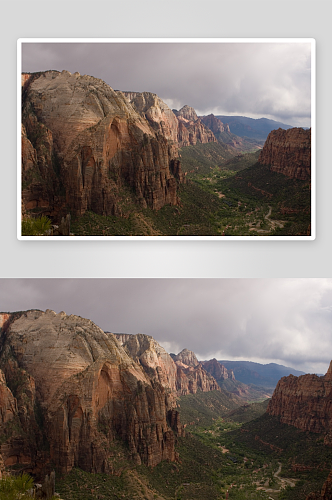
214, 124
186, 357
191, 130
83, 142
288, 152
182, 128
305, 402
177, 378
158, 114
73, 386
217, 370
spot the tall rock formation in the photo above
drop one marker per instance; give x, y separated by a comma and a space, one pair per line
288, 152
182, 128
157, 113
186, 357
305, 402
178, 378
191, 130
73, 386
82, 142
214, 124
217, 370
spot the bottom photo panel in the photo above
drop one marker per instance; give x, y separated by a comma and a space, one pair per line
165, 389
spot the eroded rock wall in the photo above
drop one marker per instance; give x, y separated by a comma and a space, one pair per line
78, 390
82, 142
288, 152
305, 402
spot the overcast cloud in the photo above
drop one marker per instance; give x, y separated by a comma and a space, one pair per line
269, 80
287, 321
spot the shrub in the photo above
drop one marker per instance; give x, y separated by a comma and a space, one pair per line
41, 226
12, 487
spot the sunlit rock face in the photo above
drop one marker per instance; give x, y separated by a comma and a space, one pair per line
82, 142
178, 378
288, 152
88, 390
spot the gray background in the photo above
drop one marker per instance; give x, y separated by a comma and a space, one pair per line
182, 18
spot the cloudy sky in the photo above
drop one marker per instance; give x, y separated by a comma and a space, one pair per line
287, 321
269, 80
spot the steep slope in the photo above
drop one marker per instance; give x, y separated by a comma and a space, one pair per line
77, 391
177, 378
226, 380
218, 370
305, 402
288, 152
186, 357
191, 129
83, 142
224, 135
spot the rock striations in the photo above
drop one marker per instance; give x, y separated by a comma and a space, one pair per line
218, 370
176, 376
191, 130
82, 142
288, 152
74, 389
305, 402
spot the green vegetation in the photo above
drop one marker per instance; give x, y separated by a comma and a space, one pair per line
201, 158
241, 161
40, 226
248, 412
219, 198
14, 487
257, 460
202, 408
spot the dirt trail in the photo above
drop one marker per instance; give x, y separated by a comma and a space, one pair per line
273, 223
282, 483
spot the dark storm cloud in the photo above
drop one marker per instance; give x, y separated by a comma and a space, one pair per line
283, 320
252, 79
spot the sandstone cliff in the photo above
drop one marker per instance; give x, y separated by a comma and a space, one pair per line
214, 124
176, 377
191, 130
305, 402
288, 152
217, 370
82, 142
74, 387
186, 357
182, 128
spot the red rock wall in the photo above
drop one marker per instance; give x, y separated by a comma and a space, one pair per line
288, 152
304, 402
89, 391
215, 124
217, 370
85, 142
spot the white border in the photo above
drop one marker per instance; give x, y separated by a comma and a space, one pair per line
312, 41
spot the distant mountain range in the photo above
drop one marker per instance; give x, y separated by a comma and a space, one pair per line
267, 375
257, 129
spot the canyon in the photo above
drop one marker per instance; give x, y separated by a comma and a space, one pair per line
70, 391
76, 398
123, 157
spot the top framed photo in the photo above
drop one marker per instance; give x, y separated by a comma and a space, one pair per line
167, 139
